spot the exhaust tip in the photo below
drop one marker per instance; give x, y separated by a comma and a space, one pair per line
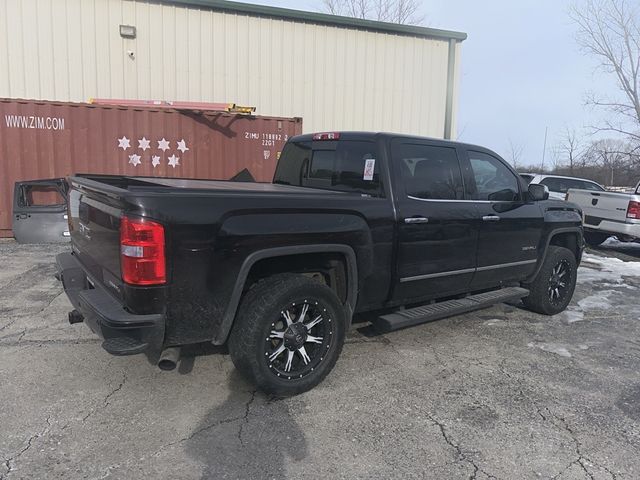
75, 317
169, 359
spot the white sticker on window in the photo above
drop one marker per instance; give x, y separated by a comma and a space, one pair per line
369, 167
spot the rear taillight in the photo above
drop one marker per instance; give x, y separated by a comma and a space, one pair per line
326, 136
633, 210
142, 252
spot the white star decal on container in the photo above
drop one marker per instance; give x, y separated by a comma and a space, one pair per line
134, 160
123, 143
155, 161
143, 143
173, 161
182, 146
163, 144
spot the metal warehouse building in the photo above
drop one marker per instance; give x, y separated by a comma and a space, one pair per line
336, 73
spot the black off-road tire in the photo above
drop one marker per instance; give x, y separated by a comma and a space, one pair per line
261, 308
595, 239
540, 299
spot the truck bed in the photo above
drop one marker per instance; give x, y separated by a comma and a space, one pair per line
608, 212
151, 184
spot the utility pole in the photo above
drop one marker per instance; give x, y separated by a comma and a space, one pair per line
611, 184
544, 149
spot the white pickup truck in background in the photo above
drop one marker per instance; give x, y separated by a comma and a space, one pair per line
606, 214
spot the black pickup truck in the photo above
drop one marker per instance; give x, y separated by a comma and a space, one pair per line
407, 229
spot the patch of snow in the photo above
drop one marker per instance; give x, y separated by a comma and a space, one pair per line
572, 315
552, 348
613, 242
607, 272
599, 301
617, 285
493, 321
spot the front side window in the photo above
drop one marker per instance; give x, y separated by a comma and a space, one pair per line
493, 180
430, 172
40, 195
556, 185
527, 178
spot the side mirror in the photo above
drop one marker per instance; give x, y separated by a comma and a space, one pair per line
538, 192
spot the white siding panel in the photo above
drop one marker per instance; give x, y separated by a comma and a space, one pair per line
4, 42
102, 52
334, 77
15, 49
30, 49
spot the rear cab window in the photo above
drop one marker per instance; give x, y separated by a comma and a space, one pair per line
343, 165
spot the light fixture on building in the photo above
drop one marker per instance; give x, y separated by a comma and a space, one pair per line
127, 31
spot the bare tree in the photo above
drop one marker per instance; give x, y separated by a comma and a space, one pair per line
570, 149
610, 31
395, 11
515, 153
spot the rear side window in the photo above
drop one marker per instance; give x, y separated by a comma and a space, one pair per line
345, 165
592, 186
430, 172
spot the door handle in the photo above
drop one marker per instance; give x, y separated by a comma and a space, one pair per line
411, 220
491, 218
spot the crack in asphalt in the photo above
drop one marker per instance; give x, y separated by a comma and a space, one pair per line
582, 458
224, 421
246, 416
10, 462
41, 343
106, 402
196, 433
51, 301
461, 455
9, 324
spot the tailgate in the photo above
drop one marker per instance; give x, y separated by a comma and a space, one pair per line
600, 205
94, 225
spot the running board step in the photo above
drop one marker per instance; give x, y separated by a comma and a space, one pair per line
436, 311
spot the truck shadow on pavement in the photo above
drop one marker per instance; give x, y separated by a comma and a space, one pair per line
250, 435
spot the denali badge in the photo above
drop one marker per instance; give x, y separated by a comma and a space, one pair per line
85, 231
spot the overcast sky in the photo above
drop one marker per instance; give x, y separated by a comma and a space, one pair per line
522, 71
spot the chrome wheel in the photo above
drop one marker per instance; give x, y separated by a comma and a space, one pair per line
559, 282
299, 339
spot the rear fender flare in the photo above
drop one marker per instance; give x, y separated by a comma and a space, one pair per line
234, 302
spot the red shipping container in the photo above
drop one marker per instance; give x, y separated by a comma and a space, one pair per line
40, 139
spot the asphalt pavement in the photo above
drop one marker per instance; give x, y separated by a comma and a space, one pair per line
500, 393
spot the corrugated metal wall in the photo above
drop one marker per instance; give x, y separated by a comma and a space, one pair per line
333, 77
